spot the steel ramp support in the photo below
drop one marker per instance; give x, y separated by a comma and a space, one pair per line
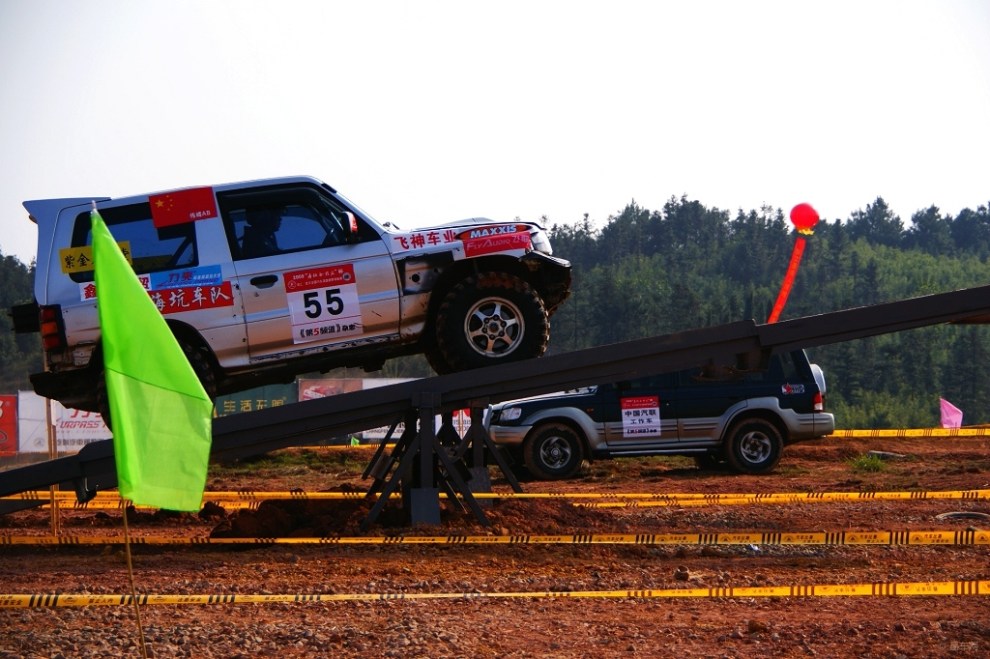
381, 465
478, 445
422, 467
421, 496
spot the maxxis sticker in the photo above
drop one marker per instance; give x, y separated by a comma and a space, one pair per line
494, 239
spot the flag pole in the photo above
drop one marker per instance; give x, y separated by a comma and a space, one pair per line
130, 577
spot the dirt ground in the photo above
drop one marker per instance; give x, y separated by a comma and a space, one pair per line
871, 626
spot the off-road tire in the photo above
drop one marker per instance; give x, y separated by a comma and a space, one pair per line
486, 319
754, 446
553, 452
197, 359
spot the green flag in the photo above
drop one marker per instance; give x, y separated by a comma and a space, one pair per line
160, 412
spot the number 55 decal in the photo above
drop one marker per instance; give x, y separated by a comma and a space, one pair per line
334, 304
323, 303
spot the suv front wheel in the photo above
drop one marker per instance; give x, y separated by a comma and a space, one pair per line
754, 446
489, 319
553, 452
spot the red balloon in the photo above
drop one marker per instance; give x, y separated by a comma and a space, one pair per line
804, 217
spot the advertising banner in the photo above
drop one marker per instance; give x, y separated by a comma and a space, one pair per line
310, 388
259, 398
73, 428
8, 424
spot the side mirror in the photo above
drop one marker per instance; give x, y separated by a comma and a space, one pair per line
350, 226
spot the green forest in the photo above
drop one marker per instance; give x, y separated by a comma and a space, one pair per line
650, 272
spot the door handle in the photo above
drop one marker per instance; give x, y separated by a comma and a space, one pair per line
264, 281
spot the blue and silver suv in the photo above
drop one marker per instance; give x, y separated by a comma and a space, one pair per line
716, 412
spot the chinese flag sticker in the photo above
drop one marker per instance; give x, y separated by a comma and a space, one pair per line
182, 206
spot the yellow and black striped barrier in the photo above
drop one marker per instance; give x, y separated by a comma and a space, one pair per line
881, 589
251, 499
835, 538
909, 433
789, 497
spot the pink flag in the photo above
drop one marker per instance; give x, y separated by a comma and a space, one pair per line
951, 415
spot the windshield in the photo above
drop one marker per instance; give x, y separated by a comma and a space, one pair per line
364, 213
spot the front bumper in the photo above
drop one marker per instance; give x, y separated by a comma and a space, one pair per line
508, 435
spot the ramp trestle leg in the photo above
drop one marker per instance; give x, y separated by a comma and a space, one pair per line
424, 462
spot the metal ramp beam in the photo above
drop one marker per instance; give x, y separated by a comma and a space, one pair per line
258, 432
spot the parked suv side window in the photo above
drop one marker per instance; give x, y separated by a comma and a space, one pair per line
788, 367
150, 249
715, 372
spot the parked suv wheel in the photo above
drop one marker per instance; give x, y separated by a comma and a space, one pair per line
553, 451
489, 319
754, 446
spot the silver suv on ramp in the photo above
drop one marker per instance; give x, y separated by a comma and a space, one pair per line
263, 280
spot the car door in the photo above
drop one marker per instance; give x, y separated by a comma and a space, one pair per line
310, 284
710, 391
640, 412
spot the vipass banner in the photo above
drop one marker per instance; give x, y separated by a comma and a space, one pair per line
73, 428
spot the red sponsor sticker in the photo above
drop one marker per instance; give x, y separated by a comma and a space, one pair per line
193, 298
182, 206
496, 243
640, 402
304, 280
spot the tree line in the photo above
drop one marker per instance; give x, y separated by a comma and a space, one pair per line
651, 272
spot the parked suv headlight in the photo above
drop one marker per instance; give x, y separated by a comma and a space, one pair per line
510, 414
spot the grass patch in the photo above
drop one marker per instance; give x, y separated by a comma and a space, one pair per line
791, 471
867, 463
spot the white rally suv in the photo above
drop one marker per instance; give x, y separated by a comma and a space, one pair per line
263, 280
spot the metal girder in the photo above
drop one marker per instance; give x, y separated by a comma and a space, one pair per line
257, 432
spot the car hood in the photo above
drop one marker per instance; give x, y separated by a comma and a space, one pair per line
559, 395
469, 223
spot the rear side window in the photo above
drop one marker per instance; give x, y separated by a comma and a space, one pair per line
149, 249
789, 371
722, 372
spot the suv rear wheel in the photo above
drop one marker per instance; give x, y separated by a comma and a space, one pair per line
198, 361
489, 319
754, 446
553, 452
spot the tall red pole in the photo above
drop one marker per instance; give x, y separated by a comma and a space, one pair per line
804, 218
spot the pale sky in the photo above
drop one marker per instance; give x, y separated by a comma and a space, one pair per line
426, 112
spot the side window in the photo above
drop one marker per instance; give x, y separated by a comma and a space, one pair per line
659, 381
720, 372
149, 249
783, 368
267, 229
281, 220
